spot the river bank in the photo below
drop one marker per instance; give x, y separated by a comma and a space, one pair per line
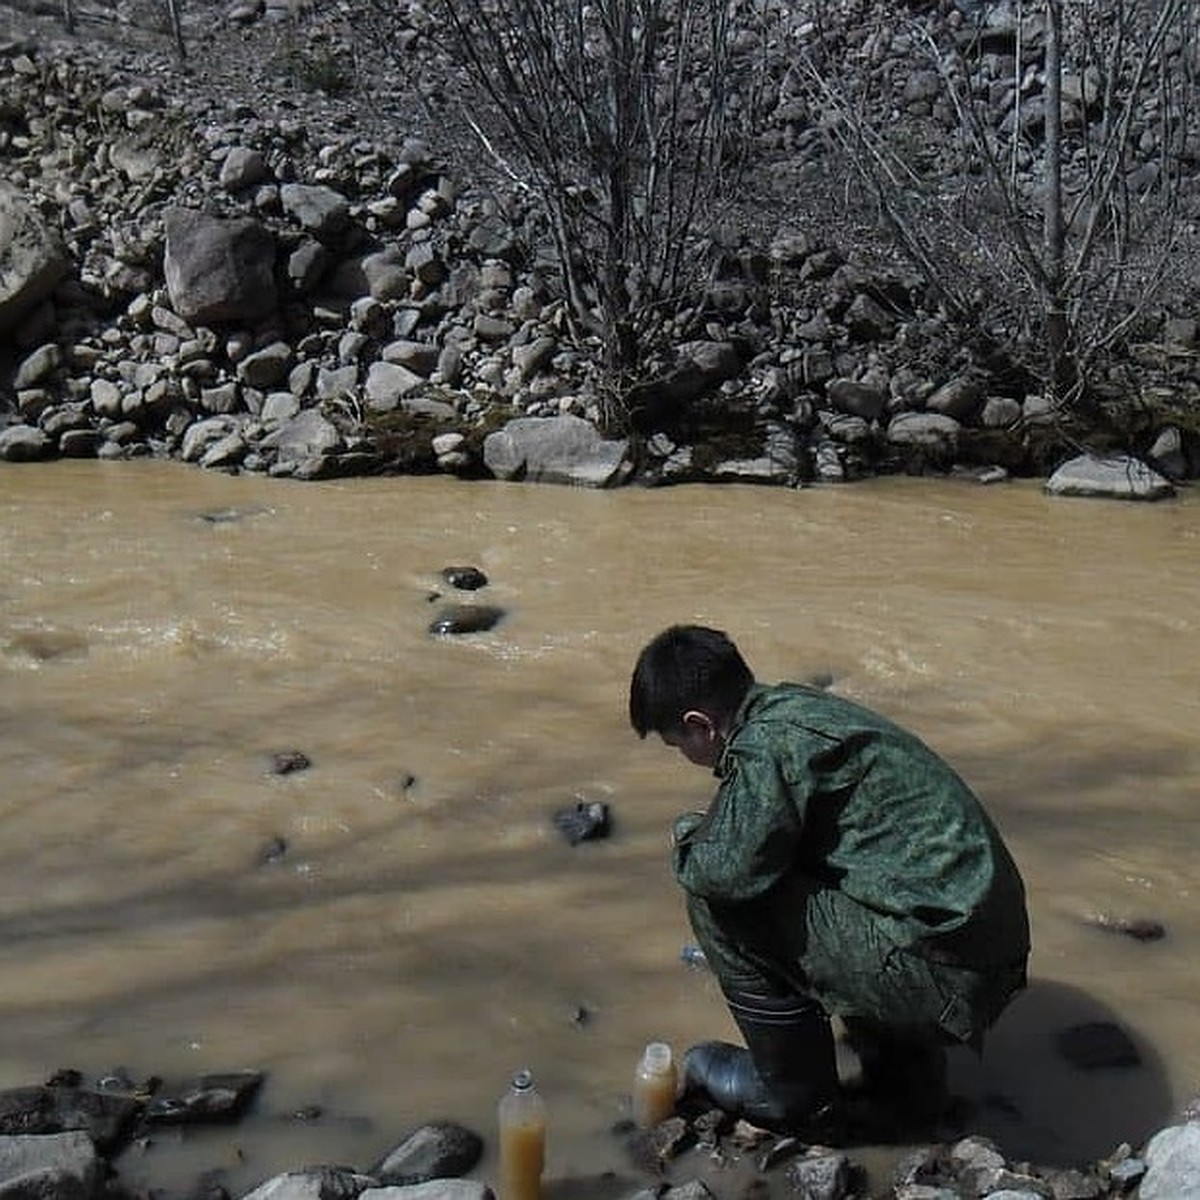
207, 261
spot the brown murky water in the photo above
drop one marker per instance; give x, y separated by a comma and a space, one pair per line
428, 930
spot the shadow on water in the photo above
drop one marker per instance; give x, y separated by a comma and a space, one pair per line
1040, 1107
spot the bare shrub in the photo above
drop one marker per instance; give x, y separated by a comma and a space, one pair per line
1056, 228
610, 114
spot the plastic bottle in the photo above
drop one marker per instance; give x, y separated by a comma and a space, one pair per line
654, 1086
522, 1120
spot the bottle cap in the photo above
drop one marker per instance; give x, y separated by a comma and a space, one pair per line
523, 1080
657, 1056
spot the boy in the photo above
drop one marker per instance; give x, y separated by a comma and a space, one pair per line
842, 868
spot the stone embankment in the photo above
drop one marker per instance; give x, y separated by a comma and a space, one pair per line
247, 281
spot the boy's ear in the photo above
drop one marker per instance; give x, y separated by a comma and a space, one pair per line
694, 718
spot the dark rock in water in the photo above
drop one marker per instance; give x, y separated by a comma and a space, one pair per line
274, 851
284, 762
438, 1150
1096, 1044
210, 1099
1141, 929
106, 1117
584, 821
466, 579
226, 516
465, 618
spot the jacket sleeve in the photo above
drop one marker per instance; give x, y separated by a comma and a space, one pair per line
747, 840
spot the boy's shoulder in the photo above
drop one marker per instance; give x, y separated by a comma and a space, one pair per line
801, 701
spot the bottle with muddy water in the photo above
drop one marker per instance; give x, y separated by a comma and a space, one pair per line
521, 1117
654, 1086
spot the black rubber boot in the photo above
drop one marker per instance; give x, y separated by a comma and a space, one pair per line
787, 1074
903, 1076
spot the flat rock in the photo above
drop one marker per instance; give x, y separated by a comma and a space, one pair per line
1115, 477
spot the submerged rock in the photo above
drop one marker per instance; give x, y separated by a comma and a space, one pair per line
210, 1098
284, 762
1141, 929
584, 821
465, 618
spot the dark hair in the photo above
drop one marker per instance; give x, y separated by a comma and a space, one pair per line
686, 667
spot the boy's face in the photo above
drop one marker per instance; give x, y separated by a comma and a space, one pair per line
700, 740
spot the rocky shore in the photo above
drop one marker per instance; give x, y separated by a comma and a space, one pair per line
219, 262
59, 1140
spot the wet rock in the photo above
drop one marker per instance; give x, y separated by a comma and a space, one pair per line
60, 1166
583, 822
466, 579
1141, 929
1096, 1044
438, 1150
227, 516
273, 851
465, 618
105, 1117
820, 1175
284, 762
210, 1099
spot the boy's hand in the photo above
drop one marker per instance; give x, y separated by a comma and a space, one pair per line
684, 826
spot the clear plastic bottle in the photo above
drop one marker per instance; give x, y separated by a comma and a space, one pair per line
522, 1122
654, 1086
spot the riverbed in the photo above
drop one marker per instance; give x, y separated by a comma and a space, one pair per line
394, 930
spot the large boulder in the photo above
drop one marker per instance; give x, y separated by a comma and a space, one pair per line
218, 268
564, 449
1115, 477
32, 260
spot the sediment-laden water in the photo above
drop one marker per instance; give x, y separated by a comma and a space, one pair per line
426, 930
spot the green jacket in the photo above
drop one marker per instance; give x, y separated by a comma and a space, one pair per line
816, 784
